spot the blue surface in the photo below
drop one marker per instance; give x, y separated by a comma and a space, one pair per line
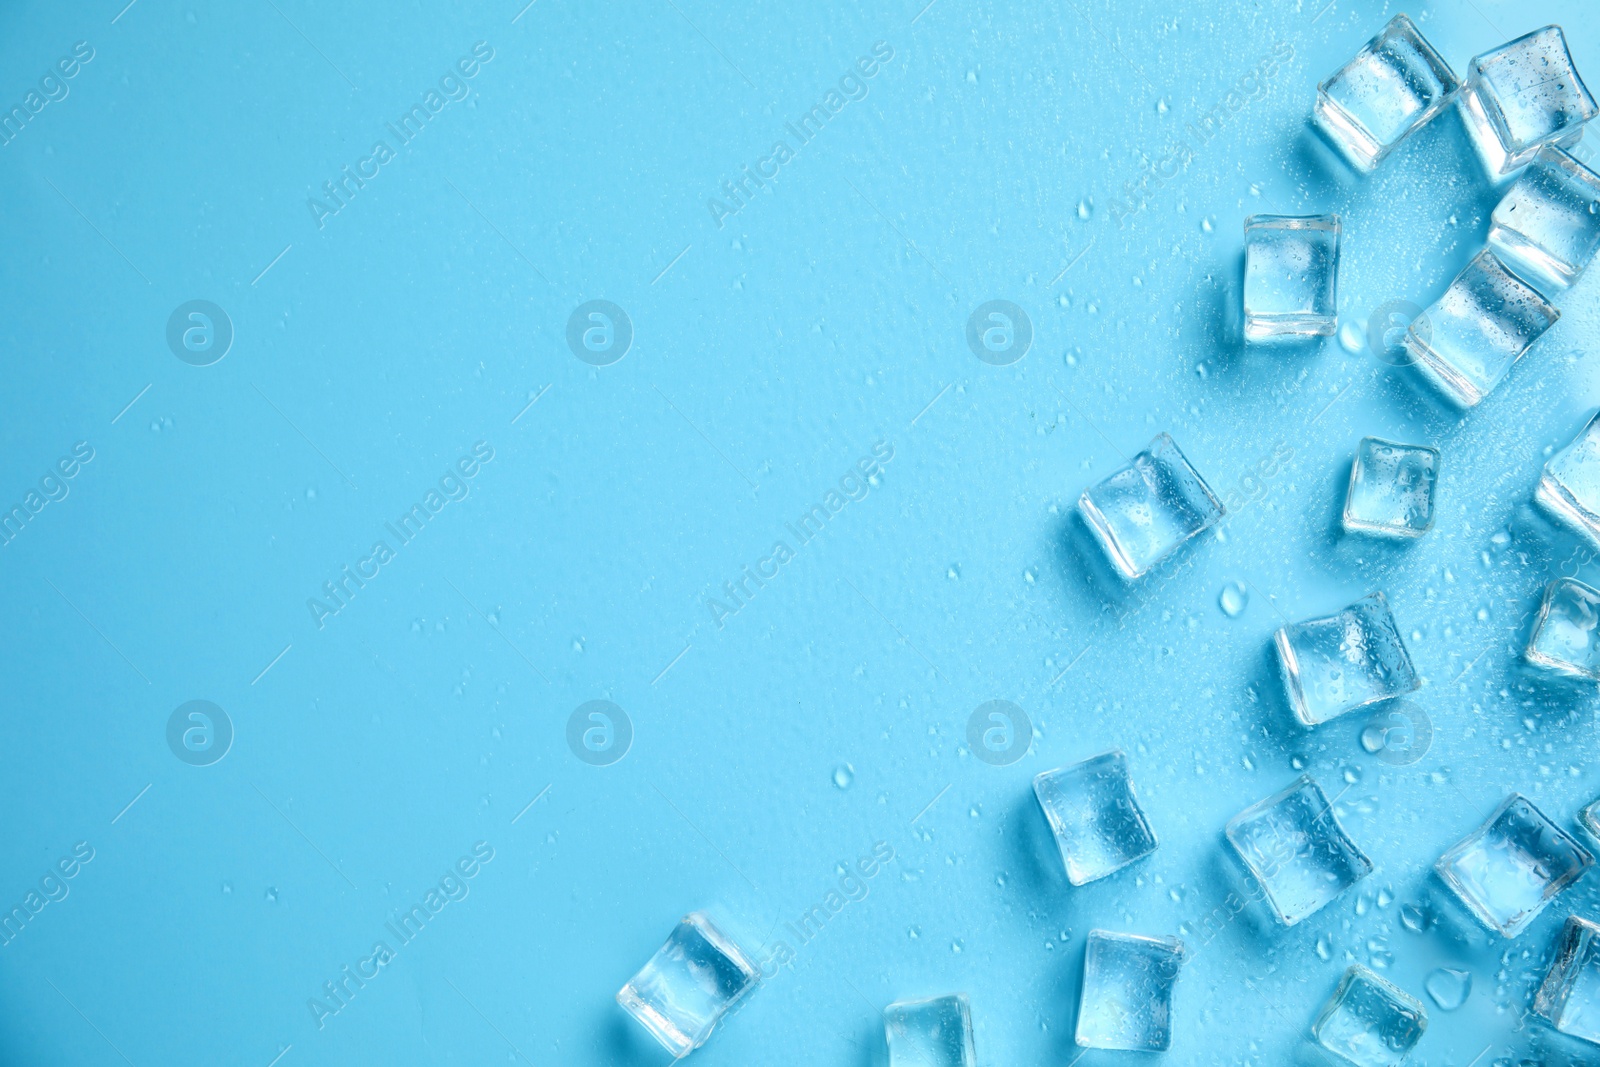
1001, 153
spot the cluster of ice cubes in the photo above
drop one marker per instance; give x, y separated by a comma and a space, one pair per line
1523, 104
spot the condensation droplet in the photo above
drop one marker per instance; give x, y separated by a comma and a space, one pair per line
1448, 987
1235, 597
1352, 336
843, 775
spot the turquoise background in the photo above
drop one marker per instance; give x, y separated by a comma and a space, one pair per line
1001, 153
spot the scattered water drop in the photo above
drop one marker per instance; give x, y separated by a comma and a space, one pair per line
227, 887
1235, 597
1085, 209
1353, 336
843, 775
1448, 987
1374, 737
272, 894
914, 933
1209, 224
956, 945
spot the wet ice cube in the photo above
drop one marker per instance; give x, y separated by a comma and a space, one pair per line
1467, 341
1569, 999
1569, 488
1506, 871
1293, 845
936, 1032
1143, 512
689, 985
1394, 84
1589, 819
1547, 227
1523, 95
1391, 488
1369, 1021
1564, 637
1095, 817
1291, 277
1128, 981
1345, 661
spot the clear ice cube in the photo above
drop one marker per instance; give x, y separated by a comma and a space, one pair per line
1522, 96
1394, 85
1507, 870
1565, 640
1467, 341
1589, 819
1391, 488
1143, 512
1095, 816
1569, 999
1291, 277
1128, 981
1336, 664
1369, 1021
1293, 845
1569, 488
1547, 227
689, 985
936, 1032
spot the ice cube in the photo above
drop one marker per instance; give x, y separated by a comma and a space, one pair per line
1391, 488
1589, 819
1128, 981
1299, 854
1547, 227
1569, 488
1569, 999
1506, 871
1564, 637
1467, 341
1369, 1021
689, 985
936, 1032
1394, 84
1522, 96
1095, 817
1336, 664
1143, 512
1291, 277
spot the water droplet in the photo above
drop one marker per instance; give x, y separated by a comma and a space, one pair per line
843, 775
1374, 737
272, 894
1163, 108
1325, 947
1353, 336
311, 494
954, 572
1085, 209
1235, 597
227, 887
1209, 224
914, 933
1448, 987
1412, 918
956, 945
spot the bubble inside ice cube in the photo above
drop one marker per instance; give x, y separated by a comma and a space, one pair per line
1569, 489
1345, 661
1293, 845
1547, 227
1143, 512
930, 1033
1565, 640
1467, 341
1394, 84
1391, 488
1507, 870
1523, 95
1128, 982
1096, 819
689, 985
1291, 276
1370, 1022
1569, 999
